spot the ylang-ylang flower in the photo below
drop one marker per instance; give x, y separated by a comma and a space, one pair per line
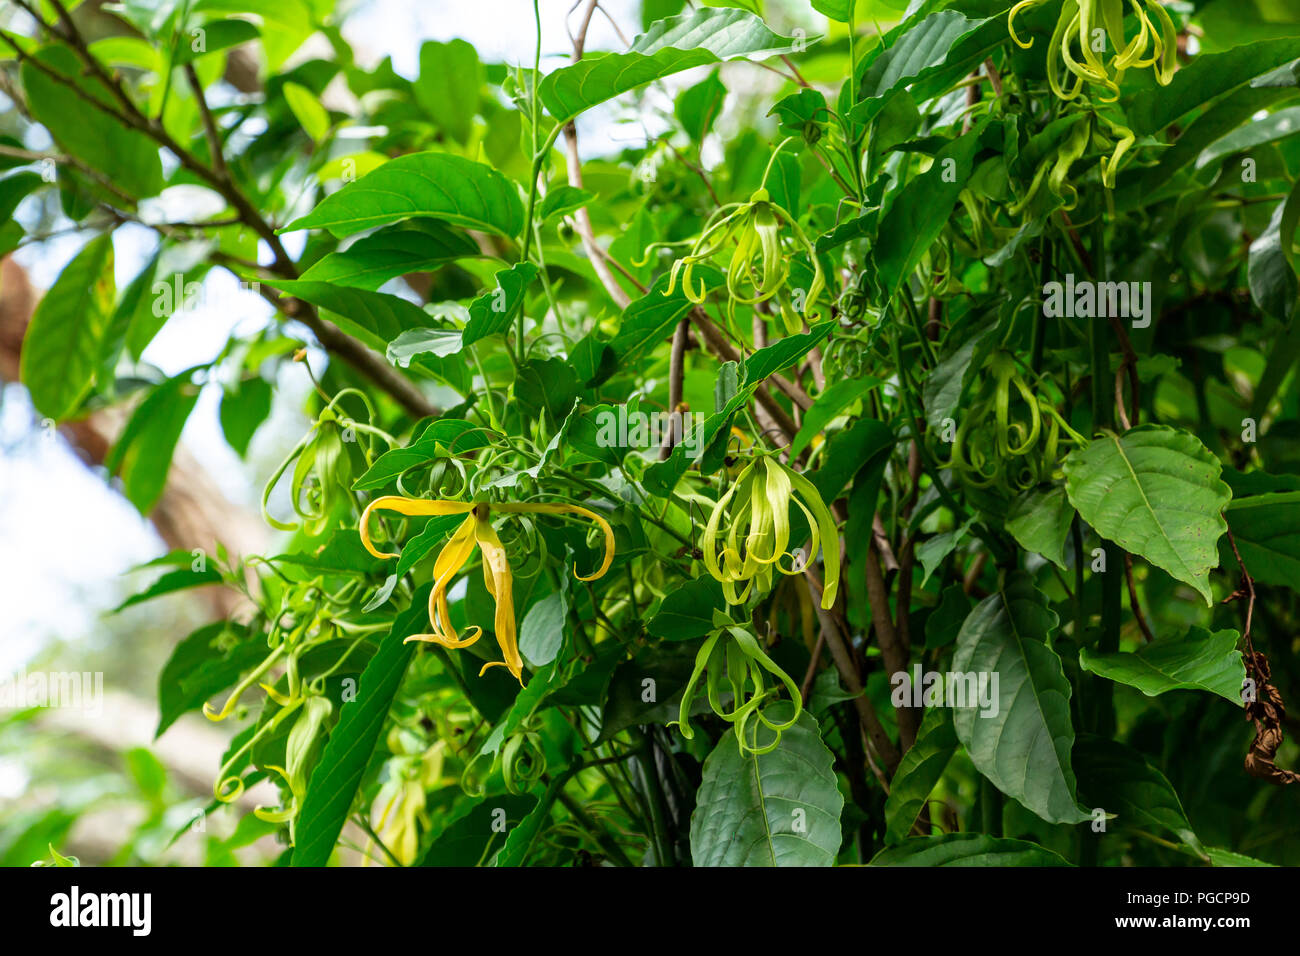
476, 531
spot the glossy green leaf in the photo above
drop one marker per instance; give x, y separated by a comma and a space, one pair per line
204, 663
1156, 492
698, 106
306, 107
1039, 519
966, 849
243, 409
478, 828
494, 311
919, 771
447, 88
61, 348
181, 579
375, 318
1024, 746
143, 453
686, 612
126, 158
775, 809
1266, 528
1208, 75
828, 405
448, 436
921, 210
1117, 779
335, 779
1197, 660
372, 260
541, 634
924, 48
706, 36
438, 185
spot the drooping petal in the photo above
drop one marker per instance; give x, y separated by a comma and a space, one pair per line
500, 585
411, 507
451, 559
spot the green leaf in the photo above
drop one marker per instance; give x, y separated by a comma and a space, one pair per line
217, 35
541, 635
434, 534
147, 773
205, 663
1119, 780
493, 312
863, 443
306, 107
243, 409
783, 354
918, 772
668, 47
1267, 531
775, 809
661, 477
335, 779
179, 580
1270, 128
439, 185
648, 689
698, 106
926, 48
125, 157
1220, 857
60, 352
841, 10
647, 321
921, 210
1039, 520
562, 200
1272, 281
14, 189
143, 453
943, 386
375, 318
945, 621
1156, 492
829, 405
1024, 747
372, 260
1207, 75
966, 849
547, 385
340, 553
1198, 660
134, 301
936, 548
448, 436
472, 833
686, 612
450, 75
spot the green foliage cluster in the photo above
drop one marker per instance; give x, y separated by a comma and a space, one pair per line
983, 318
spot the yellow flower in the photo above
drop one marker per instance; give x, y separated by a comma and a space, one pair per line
477, 531
759, 531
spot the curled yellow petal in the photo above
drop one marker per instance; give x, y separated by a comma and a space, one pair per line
411, 507
500, 585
